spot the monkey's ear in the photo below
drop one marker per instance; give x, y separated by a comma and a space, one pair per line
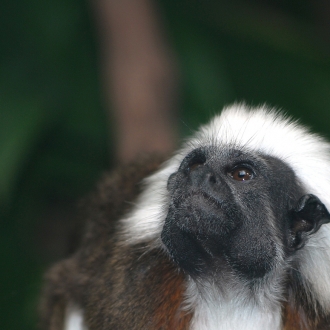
308, 216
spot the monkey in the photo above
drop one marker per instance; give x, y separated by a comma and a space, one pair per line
229, 233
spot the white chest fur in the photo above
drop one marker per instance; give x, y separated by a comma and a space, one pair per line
235, 309
230, 316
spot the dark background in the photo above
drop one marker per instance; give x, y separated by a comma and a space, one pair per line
54, 130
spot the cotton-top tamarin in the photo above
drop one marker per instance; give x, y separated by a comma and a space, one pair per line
230, 233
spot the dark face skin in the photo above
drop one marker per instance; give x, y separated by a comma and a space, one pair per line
233, 210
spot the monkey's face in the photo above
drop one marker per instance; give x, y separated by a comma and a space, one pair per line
230, 211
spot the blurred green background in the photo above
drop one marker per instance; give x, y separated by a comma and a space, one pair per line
54, 137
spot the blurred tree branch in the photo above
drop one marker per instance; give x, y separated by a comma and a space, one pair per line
139, 76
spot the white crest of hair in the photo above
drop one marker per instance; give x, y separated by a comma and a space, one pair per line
261, 130
74, 318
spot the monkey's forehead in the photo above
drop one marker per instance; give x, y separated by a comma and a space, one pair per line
270, 132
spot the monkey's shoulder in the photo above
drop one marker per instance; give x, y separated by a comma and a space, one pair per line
116, 191
118, 287
104, 274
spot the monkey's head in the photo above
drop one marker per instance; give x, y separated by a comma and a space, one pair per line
246, 196
237, 210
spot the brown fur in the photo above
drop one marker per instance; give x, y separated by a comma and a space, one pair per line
296, 319
300, 312
145, 292
293, 320
118, 287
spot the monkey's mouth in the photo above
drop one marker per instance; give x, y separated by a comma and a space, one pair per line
199, 213
210, 200
198, 199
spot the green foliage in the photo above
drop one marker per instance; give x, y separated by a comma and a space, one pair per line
53, 133
53, 138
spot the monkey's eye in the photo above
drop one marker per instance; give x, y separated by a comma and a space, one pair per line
241, 174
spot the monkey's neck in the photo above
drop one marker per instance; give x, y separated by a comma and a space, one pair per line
233, 311
229, 317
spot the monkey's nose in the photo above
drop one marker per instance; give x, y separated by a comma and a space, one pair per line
202, 176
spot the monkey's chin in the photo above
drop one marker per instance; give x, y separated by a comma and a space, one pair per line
204, 251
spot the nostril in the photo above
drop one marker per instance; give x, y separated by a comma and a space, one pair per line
193, 165
193, 161
212, 178
202, 177
196, 161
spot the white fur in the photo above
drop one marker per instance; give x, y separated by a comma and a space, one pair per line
231, 310
74, 318
236, 305
232, 315
258, 130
